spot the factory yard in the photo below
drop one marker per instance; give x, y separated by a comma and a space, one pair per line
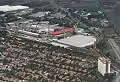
31, 61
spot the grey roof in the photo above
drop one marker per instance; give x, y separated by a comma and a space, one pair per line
39, 14
58, 15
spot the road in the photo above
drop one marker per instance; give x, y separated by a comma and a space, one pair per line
115, 47
113, 16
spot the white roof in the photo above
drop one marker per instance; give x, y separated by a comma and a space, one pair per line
38, 14
45, 27
78, 40
58, 44
12, 8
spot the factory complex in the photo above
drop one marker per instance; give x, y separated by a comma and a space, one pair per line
53, 33
58, 41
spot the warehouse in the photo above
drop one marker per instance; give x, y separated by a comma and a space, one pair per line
7, 8
62, 33
78, 41
39, 14
29, 33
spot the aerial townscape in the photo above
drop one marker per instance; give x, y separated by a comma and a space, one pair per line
59, 41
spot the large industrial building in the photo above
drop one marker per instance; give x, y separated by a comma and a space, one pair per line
62, 33
77, 41
7, 8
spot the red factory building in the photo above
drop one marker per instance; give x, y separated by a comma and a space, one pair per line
62, 33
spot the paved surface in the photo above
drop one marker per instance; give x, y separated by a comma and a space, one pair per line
114, 18
115, 47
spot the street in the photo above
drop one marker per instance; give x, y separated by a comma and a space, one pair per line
115, 47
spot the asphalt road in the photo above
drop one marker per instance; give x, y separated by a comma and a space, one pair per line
115, 47
114, 18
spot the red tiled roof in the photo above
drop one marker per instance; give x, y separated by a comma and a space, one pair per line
62, 31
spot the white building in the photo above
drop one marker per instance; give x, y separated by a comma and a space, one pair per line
104, 65
40, 14
78, 40
7, 8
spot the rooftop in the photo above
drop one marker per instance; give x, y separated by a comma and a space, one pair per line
61, 31
78, 40
6, 8
39, 14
